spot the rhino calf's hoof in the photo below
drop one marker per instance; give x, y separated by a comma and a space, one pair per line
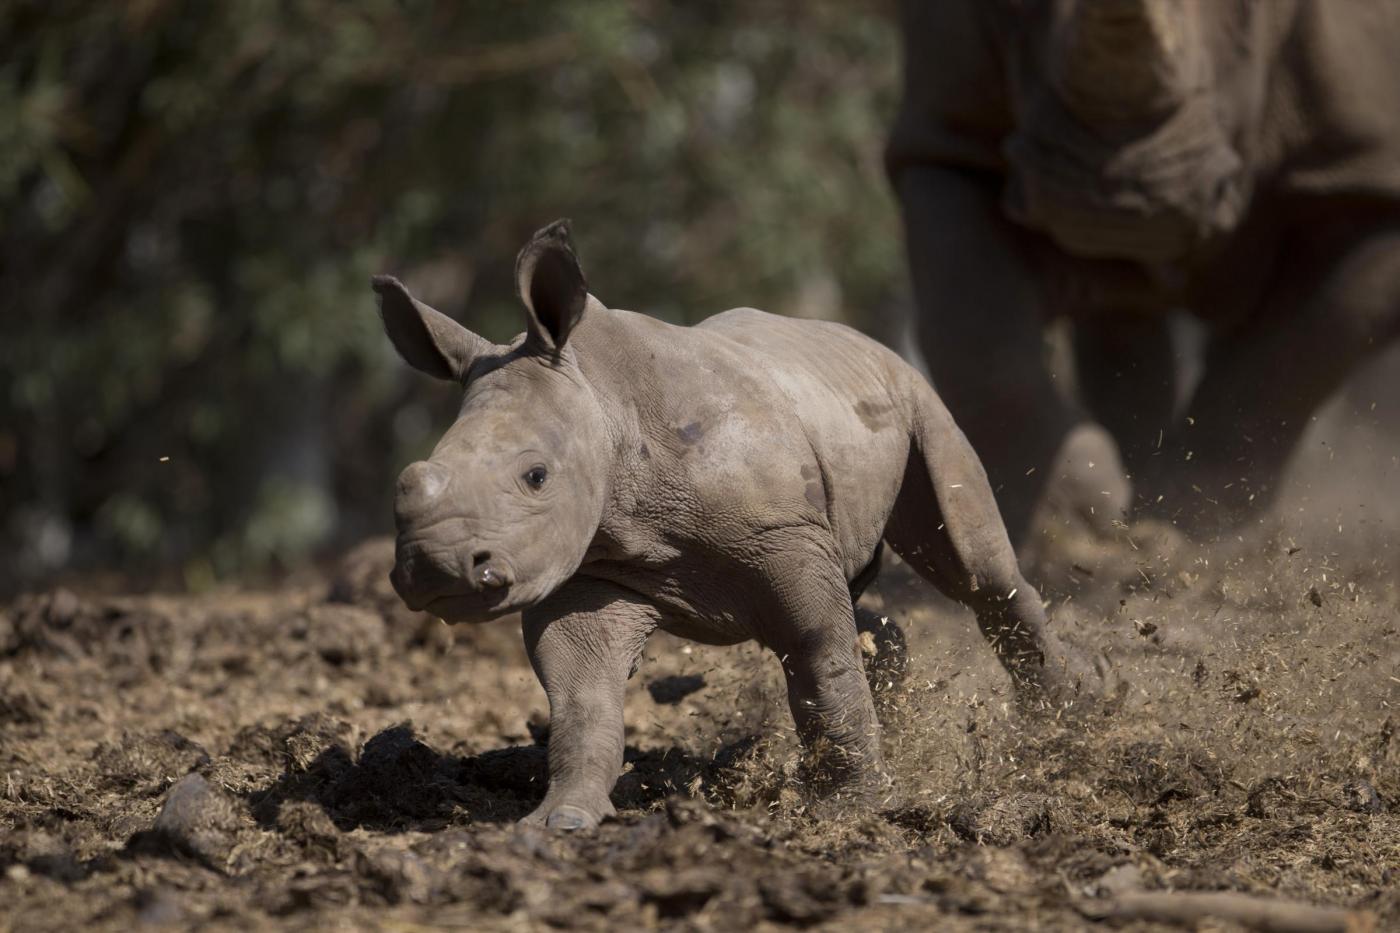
570, 818
1073, 676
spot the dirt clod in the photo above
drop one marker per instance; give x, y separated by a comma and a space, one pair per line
343, 634
158, 907
1003, 821
1361, 797
147, 763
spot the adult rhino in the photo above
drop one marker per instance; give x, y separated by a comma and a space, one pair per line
1111, 161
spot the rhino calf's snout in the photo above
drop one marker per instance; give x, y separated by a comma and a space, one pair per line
419, 578
422, 575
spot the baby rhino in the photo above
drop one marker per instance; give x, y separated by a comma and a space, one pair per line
610, 474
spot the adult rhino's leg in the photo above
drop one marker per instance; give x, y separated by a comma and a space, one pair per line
945, 525
809, 623
1126, 371
584, 642
1335, 303
980, 330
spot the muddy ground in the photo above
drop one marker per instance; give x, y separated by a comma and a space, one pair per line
318, 756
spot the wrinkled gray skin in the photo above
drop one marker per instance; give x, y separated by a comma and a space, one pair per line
610, 474
1109, 161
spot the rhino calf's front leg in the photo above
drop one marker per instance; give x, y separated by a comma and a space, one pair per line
584, 642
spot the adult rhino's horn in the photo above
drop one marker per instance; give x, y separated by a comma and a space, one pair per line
1117, 59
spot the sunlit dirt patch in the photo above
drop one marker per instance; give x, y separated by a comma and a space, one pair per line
318, 755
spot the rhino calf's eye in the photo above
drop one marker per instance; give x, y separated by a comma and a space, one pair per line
535, 477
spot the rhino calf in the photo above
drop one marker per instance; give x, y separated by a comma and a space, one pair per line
610, 474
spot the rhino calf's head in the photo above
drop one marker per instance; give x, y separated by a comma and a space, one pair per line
501, 513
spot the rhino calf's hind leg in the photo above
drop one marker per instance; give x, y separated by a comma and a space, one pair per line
812, 629
946, 525
584, 642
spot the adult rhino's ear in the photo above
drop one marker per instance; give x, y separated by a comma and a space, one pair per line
428, 340
551, 285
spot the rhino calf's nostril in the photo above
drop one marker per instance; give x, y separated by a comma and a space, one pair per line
486, 575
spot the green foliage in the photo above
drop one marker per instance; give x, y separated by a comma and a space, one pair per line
193, 195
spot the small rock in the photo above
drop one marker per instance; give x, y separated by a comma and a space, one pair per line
197, 820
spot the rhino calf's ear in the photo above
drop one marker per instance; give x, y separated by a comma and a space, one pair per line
428, 340
551, 284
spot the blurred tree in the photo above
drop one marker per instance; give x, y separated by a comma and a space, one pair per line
193, 195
